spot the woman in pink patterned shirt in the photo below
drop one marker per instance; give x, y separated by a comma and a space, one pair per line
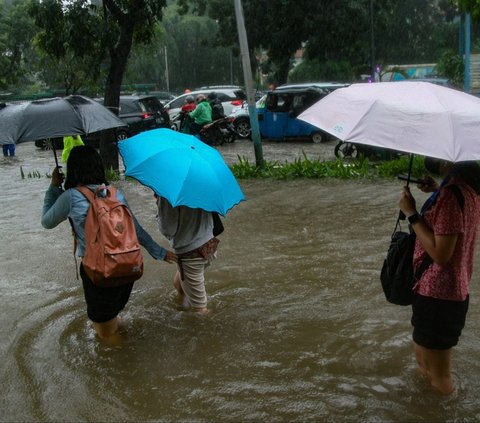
446, 231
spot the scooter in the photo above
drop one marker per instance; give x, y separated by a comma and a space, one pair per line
218, 132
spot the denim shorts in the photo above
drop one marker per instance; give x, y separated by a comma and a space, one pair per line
104, 303
437, 324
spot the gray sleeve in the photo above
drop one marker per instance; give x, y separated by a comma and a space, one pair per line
168, 217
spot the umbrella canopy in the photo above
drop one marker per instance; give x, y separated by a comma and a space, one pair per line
413, 117
182, 169
54, 117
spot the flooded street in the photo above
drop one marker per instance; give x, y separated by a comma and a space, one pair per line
300, 329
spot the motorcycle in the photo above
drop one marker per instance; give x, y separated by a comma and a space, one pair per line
218, 132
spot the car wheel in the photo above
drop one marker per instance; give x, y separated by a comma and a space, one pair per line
43, 144
242, 126
173, 126
345, 150
317, 137
49, 143
122, 134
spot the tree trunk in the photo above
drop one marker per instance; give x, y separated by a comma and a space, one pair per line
283, 66
118, 63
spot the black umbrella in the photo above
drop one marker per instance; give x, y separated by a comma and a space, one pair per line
53, 118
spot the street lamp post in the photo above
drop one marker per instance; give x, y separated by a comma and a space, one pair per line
167, 77
247, 73
372, 43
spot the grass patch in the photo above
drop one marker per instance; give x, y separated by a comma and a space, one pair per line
315, 169
33, 174
112, 174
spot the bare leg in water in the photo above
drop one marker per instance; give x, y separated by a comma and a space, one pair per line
108, 331
436, 366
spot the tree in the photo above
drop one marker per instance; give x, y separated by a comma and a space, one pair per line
101, 34
277, 26
337, 31
16, 53
470, 6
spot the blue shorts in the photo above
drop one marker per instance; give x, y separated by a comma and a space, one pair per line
104, 303
437, 324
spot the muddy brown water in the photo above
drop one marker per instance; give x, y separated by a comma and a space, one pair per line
300, 330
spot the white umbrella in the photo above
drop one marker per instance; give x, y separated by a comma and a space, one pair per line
413, 117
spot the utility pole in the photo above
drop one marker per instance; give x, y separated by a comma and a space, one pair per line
372, 43
466, 83
166, 70
247, 74
231, 66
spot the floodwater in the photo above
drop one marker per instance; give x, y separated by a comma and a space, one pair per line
300, 330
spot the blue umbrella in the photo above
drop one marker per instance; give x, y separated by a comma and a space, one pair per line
182, 169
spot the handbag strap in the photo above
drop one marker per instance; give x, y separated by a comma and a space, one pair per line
424, 265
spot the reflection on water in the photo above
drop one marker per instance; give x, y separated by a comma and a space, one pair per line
300, 329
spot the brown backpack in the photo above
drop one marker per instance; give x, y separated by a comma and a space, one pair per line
112, 251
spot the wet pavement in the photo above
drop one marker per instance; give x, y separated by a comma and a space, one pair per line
300, 329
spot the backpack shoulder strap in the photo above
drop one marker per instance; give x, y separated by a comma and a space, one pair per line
91, 196
86, 193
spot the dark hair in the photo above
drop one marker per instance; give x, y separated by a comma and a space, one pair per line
468, 172
84, 167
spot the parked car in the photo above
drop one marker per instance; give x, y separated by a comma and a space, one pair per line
139, 112
163, 96
241, 118
230, 97
278, 119
277, 112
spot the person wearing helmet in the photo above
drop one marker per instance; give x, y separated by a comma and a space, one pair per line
216, 105
189, 105
185, 120
201, 115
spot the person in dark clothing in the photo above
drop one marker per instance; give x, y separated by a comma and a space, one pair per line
216, 105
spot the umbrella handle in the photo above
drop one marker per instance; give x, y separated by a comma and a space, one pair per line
401, 215
55, 153
56, 159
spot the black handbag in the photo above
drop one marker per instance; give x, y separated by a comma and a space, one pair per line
217, 224
397, 276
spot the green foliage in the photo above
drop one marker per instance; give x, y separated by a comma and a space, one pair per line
204, 63
336, 32
315, 169
392, 168
471, 6
303, 168
16, 51
315, 70
451, 66
112, 175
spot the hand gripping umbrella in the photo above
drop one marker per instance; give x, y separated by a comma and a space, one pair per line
54, 117
182, 169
